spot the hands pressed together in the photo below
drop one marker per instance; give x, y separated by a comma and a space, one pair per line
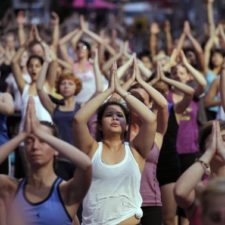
215, 143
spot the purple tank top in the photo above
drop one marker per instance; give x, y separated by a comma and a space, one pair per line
150, 190
187, 136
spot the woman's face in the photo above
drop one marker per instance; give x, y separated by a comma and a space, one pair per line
38, 152
217, 59
34, 68
67, 88
82, 50
214, 214
113, 120
180, 73
147, 62
191, 57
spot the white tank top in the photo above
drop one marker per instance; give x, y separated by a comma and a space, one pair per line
114, 195
88, 83
41, 112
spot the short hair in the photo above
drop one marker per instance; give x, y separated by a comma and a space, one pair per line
69, 76
39, 58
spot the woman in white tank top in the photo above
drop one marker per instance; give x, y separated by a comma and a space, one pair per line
114, 196
34, 66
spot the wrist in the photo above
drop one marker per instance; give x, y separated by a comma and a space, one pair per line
126, 95
207, 156
205, 166
23, 135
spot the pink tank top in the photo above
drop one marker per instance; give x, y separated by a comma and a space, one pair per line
150, 190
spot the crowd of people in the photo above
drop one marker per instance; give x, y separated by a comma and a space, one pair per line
94, 133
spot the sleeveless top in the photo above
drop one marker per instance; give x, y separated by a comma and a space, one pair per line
114, 194
88, 83
3, 129
41, 112
150, 190
210, 77
168, 153
49, 211
187, 136
64, 122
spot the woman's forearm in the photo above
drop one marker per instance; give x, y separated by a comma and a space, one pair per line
11, 145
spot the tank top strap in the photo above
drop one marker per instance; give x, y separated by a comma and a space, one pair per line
129, 154
26, 90
98, 151
77, 106
127, 148
21, 185
57, 182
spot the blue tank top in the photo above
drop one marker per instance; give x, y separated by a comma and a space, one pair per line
49, 211
3, 129
64, 122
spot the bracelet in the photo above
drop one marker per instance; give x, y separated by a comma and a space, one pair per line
204, 165
126, 95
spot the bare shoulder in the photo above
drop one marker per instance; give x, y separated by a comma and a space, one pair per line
5, 96
8, 184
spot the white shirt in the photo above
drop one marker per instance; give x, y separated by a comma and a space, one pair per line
114, 195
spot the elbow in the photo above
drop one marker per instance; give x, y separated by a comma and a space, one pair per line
88, 166
10, 111
192, 92
203, 84
164, 105
180, 197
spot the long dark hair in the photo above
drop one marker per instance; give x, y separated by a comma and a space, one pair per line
101, 110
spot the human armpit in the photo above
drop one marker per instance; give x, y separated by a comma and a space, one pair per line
8, 186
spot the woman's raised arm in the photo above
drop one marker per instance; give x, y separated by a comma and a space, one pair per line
82, 136
17, 72
145, 138
187, 90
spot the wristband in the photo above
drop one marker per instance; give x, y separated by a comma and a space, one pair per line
204, 165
